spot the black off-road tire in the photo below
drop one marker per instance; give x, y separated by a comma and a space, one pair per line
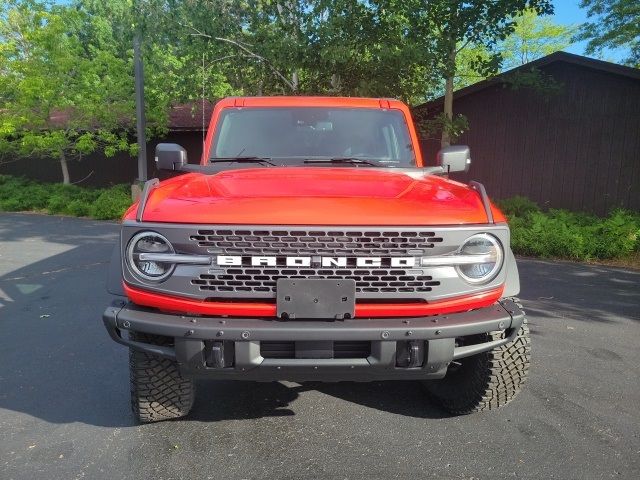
158, 391
485, 381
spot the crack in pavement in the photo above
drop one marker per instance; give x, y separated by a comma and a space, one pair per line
51, 272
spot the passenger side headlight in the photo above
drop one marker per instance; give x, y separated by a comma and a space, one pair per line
483, 258
147, 270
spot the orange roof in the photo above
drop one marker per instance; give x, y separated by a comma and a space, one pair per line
307, 101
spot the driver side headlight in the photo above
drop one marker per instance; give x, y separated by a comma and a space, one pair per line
483, 257
147, 270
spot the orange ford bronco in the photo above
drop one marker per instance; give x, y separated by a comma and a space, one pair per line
314, 242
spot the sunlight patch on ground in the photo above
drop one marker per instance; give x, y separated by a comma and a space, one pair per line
19, 255
4, 298
27, 289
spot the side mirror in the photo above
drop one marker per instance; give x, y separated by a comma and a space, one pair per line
170, 156
455, 158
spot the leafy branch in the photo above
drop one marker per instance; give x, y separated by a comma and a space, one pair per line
250, 53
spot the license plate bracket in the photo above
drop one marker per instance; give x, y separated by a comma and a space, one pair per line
303, 298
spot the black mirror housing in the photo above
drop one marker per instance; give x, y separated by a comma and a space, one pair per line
170, 156
455, 158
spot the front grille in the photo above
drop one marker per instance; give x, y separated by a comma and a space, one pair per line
261, 280
342, 349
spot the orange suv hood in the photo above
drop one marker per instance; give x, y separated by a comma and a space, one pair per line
314, 196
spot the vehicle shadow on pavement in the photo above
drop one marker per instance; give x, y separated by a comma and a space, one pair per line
406, 398
238, 400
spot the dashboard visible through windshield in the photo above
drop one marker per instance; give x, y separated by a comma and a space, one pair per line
314, 135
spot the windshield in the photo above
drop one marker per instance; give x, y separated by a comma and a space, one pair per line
293, 135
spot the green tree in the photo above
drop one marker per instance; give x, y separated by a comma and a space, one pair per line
61, 96
534, 36
444, 28
466, 60
363, 48
614, 24
172, 56
339, 47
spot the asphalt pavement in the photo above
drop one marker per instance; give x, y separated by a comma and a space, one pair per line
64, 400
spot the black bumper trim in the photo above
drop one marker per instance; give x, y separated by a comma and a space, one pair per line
116, 334
189, 333
499, 316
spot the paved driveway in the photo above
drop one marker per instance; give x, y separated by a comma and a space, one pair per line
64, 410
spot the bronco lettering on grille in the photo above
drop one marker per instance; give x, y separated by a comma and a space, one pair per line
270, 261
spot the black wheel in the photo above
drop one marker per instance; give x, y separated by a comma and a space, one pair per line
485, 381
158, 391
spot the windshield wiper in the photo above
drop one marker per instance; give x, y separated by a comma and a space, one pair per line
248, 159
351, 160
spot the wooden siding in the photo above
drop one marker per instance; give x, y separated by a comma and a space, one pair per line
578, 149
98, 170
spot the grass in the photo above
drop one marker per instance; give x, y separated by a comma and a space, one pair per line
614, 239
21, 195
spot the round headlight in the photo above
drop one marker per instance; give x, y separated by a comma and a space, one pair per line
488, 250
149, 242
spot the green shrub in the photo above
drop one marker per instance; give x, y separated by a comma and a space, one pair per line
57, 203
11, 205
19, 194
78, 208
111, 204
517, 206
620, 231
576, 236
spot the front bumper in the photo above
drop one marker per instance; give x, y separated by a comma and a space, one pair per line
193, 336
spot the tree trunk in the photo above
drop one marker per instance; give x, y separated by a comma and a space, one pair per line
65, 169
335, 82
445, 140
